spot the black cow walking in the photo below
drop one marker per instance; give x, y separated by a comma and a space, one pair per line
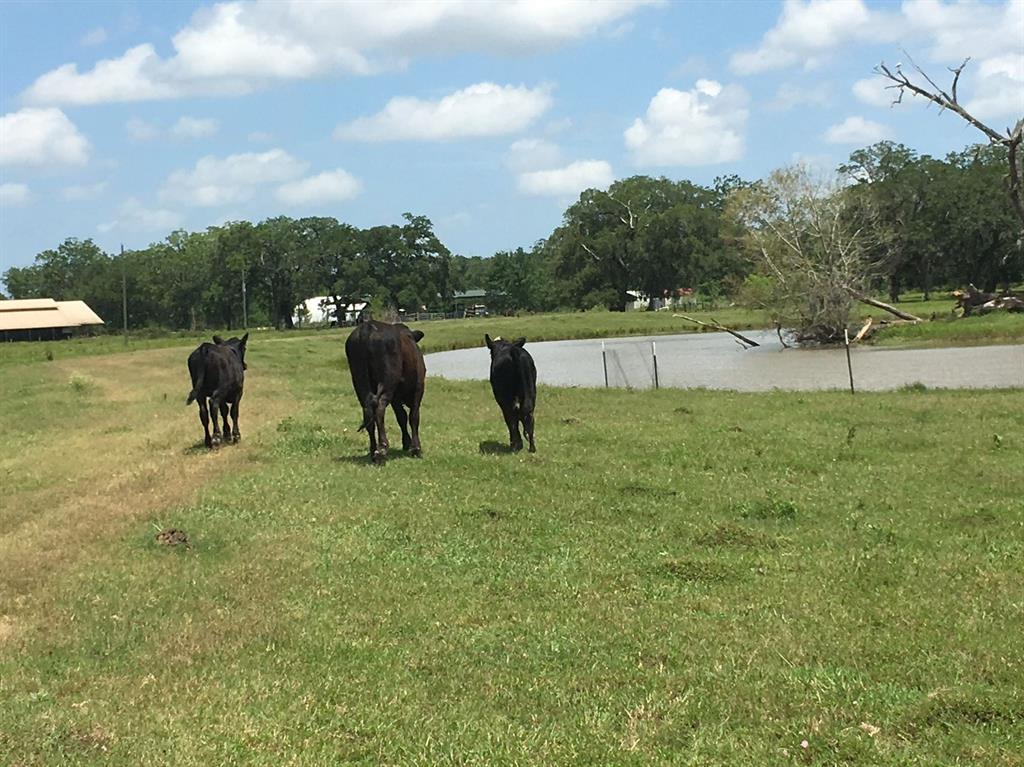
387, 369
218, 375
514, 383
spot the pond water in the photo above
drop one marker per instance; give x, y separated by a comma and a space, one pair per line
717, 361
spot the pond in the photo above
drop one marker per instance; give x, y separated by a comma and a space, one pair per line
717, 361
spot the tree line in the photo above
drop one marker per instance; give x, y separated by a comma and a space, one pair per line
896, 221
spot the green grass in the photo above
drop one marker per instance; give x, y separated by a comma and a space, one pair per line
947, 330
674, 578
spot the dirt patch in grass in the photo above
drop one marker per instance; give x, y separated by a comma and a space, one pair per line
7, 629
948, 709
697, 571
731, 534
647, 490
86, 480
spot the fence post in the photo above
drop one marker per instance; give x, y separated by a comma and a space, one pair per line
849, 364
604, 362
654, 354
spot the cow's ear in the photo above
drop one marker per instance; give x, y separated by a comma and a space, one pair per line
244, 339
519, 342
487, 339
218, 340
417, 335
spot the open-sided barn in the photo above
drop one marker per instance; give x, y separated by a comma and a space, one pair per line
34, 319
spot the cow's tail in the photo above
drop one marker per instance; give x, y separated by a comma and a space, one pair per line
197, 377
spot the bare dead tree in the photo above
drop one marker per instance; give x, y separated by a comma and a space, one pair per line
901, 82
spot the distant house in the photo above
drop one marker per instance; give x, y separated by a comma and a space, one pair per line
475, 301
319, 310
43, 319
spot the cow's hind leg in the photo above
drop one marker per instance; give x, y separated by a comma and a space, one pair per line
204, 417
381, 453
414, 421
236, 435
225, 408
370, 422
526, 415
403, 424
511, 414
215, 405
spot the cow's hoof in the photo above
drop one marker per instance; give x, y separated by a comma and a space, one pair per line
379, 457
533, 448
416, 452
209, 444
216, 442
516, 447
236, 438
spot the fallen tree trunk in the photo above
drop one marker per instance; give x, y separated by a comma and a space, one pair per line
881, 305
974, 301
718, 326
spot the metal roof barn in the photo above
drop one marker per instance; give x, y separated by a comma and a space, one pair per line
32, 319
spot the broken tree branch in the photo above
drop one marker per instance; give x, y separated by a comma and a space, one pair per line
718, 326
864, 330
881, 305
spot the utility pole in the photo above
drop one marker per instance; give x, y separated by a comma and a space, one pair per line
124, 297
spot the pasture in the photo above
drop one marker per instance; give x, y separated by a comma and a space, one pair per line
675, 577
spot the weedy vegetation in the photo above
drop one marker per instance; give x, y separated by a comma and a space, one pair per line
837, 581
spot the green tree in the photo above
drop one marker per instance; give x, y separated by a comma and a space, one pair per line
800, 232
646, 233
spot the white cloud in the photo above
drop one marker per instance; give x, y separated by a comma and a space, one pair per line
790, 95
856, 130
999, 87
96, 36
133, 216
702, 126
570, 180
484, 109
194, 127
41, 137
561, 125
83, 192
943, 34
236, 47
14, 194
329, 186
138, 75
260, 137
872, 90
140, 130
807, 31
185, 129
215, 181
528, 154
966, 28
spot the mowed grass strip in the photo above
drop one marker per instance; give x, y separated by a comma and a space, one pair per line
674, 578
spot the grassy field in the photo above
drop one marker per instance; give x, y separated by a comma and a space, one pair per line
674, 578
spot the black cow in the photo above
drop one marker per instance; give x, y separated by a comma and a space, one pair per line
387, 369
514, 383
218, 374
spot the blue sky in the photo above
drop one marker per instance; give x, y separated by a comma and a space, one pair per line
124, 121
